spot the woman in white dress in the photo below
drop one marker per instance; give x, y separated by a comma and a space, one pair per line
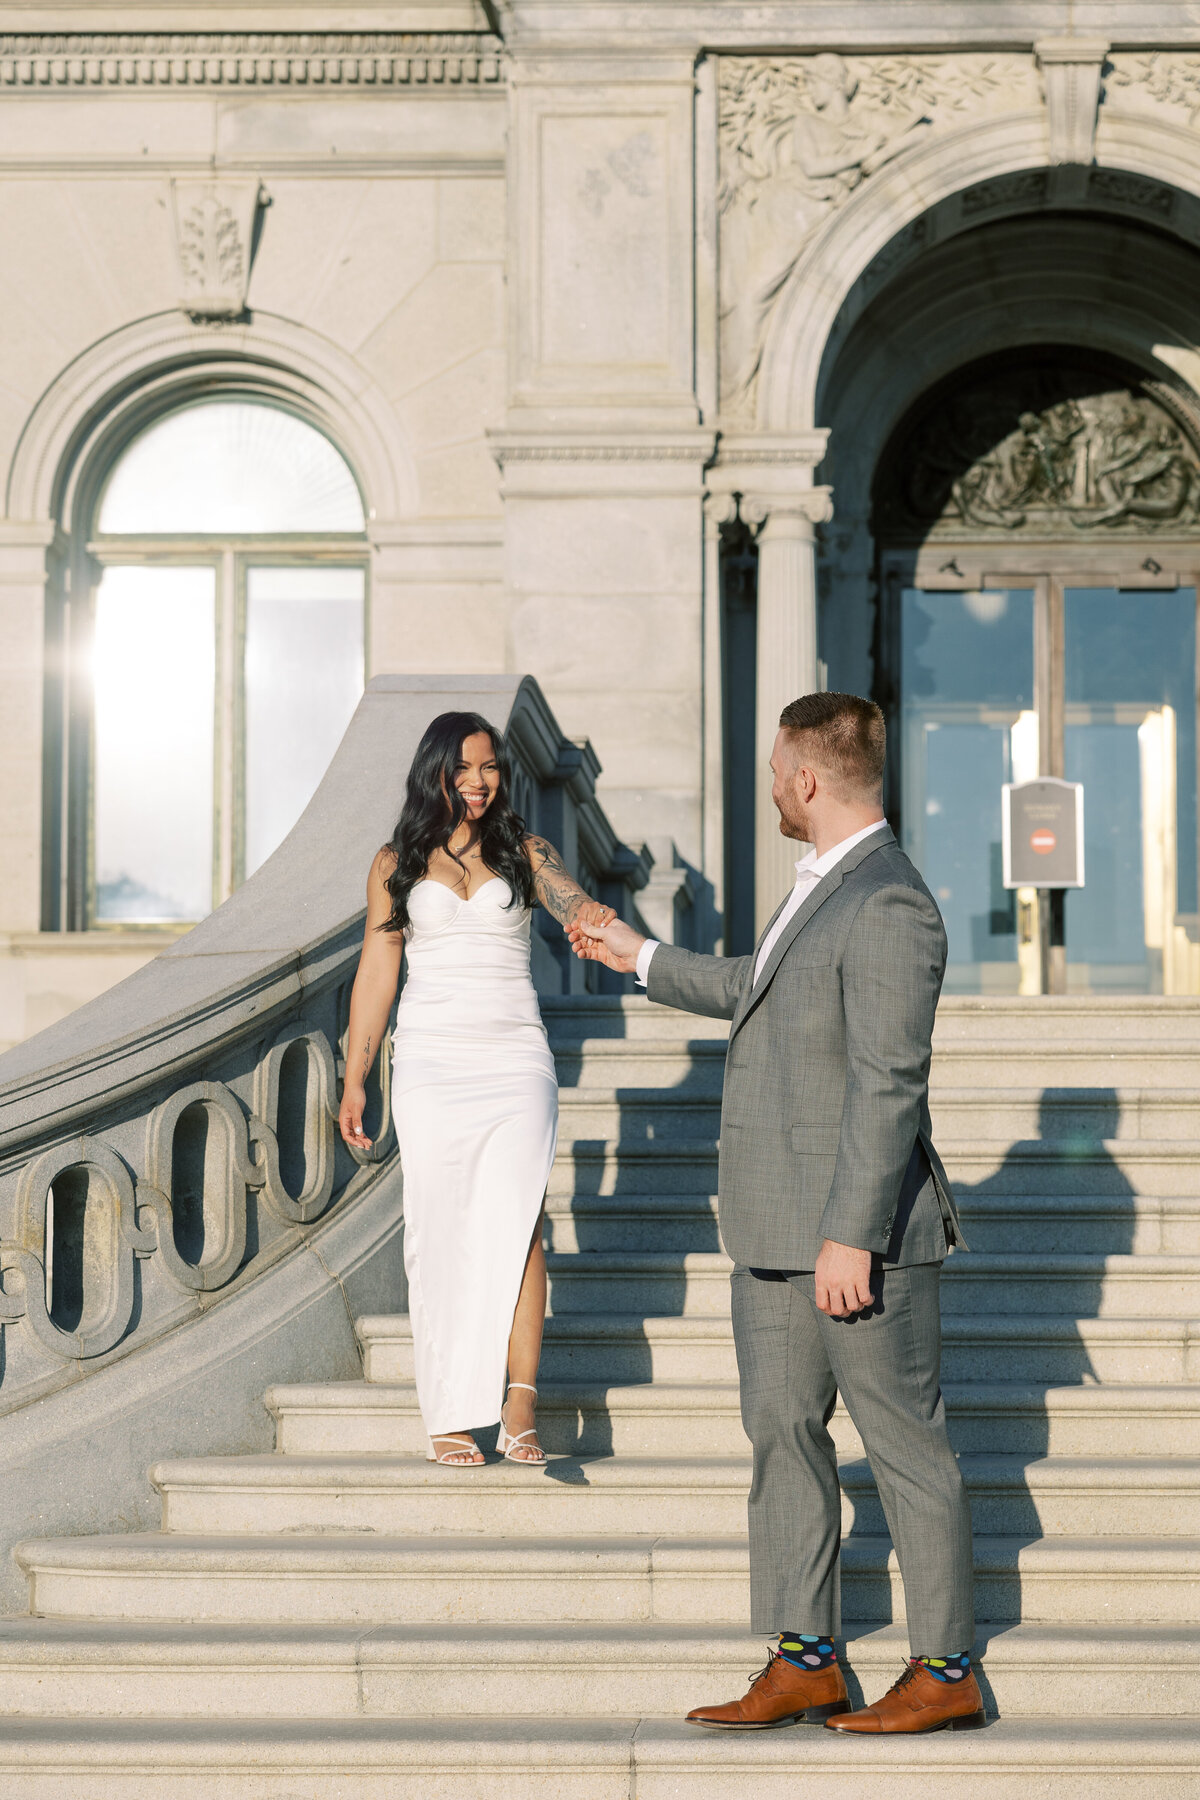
474, 1094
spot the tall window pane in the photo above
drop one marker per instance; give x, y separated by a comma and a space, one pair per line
303, 679
153, 664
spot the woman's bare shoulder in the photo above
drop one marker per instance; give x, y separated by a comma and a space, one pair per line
384, 865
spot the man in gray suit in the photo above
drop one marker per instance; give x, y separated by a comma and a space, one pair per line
837, 1213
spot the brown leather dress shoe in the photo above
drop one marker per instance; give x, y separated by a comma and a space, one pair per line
919, 1702
780, 1694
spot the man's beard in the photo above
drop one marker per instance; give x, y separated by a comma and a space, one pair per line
796, 822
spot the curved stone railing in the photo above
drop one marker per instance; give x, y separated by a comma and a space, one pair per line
180, 1221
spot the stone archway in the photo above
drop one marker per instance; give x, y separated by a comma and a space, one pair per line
113, 389
840, 174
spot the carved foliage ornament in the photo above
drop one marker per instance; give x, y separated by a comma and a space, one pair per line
214, 243
798, 134
988, 460
1155, 79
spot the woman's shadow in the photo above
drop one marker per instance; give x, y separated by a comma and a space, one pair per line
651, 1191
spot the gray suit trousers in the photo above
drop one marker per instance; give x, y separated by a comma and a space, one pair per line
793, 1362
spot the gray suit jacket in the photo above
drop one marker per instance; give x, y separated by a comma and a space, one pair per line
825, 1117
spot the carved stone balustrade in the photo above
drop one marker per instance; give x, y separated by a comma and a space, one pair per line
178, 1213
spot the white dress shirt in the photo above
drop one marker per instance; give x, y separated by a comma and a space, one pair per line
809, 871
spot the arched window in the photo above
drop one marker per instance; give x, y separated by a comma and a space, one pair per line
227, 653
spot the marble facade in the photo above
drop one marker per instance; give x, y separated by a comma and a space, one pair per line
576, 286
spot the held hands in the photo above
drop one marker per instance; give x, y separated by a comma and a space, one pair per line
614, 944
592, 912
843, 1278
354, 1098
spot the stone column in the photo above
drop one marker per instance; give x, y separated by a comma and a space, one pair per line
786, 661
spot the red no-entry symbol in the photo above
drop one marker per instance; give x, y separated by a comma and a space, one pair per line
1043, 842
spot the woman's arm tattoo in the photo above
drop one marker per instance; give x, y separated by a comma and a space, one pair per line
555, 887
366, 1059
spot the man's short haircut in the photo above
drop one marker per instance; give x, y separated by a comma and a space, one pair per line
846, 737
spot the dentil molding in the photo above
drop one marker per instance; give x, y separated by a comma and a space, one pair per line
274, 60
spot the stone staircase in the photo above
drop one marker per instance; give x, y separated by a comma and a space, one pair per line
343, 1618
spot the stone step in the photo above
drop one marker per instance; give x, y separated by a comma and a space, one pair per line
575, 1019
695, 1065
1106, 1224
672, 1419
1108, 1022
564, 1759
1084, 1117
976, 1060
1032, 1347
1087, 1116
79, 1669
1077, 1286
606, 1166
697, 1496
1113, 1167
445, 1578
632, 1115
1083, 1062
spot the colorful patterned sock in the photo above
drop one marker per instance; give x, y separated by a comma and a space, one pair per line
946, 1668
807, 1652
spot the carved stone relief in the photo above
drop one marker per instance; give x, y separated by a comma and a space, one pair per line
1150, 80
214, 243
987, 458
798, 135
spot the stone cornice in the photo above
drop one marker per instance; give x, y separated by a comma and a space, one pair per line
277, 61
841, 25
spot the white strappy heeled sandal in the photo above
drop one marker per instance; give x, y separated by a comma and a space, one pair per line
464, 1447
505, 1444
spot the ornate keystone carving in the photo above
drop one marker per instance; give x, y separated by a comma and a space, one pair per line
214, 243
1071, 70
798, 135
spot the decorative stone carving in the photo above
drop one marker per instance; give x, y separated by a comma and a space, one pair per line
227, 1174
1071, 70
317, 1128
311, 61
214, 243
108, 1253
1157, 78
980, 463
1140, 192
798, 134
1022, 188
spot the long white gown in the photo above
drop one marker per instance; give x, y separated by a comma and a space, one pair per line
475, 1100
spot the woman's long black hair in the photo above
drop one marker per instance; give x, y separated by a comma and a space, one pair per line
434, 809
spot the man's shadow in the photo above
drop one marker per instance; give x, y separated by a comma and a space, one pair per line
1021, 1330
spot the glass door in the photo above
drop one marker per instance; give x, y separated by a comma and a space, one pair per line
1093, 682
968, 725
1129, 731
